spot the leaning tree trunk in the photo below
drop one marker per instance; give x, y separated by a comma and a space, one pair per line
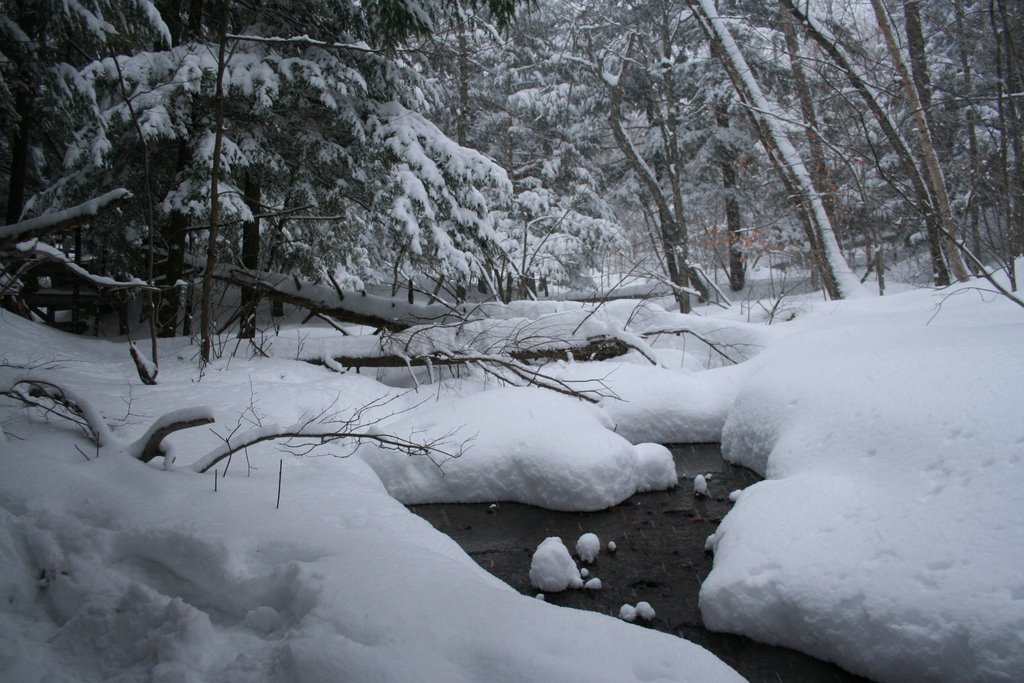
931, 160
837, 278
924, 201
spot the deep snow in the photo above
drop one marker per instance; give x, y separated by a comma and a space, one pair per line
887, 537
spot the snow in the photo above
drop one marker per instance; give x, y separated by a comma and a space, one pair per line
593, 584
644, 610
552, 568
888, 535
112, 569
568, 459
891, 523
587, 547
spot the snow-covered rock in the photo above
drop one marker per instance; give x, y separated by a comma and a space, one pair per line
587, 547
700, 486
552, 568
644, 610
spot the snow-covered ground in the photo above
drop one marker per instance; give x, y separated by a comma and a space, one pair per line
888, 536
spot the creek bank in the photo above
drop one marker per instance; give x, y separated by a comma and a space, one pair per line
659, 558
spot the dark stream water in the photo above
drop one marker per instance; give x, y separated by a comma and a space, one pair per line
660, 558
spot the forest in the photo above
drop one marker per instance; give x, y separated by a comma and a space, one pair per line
274, 273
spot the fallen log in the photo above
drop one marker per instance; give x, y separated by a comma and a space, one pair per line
348, 306
593, 349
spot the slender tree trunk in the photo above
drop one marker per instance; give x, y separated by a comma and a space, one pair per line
250, 256
174, 234
820, 175
19, 155
924, 136
206, 298
734, 227
970, 122
462, 61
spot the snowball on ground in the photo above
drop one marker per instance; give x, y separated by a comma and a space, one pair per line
644, 610
588, 546
892, 522
524, 445
627, 613
552, 568
593, 584
735, 495
612, 547
584, 572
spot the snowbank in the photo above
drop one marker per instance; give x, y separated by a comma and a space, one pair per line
890, 536
522, 445
653, 404
111, 569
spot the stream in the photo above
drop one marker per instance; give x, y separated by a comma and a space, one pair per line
659, 558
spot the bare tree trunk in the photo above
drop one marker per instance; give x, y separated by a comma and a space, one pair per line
173, 235
206, 298
820, 175
734, 227
19, 155
970, 121
924, 135
462, 61
250, 257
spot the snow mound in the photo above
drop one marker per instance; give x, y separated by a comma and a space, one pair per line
523, 445
552, 568
891, 526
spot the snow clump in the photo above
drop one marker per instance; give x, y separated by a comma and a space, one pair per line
627, 613
593, 584
587, 547
552, 568
612, 547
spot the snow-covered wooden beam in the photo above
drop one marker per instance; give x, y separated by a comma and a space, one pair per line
64, 219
